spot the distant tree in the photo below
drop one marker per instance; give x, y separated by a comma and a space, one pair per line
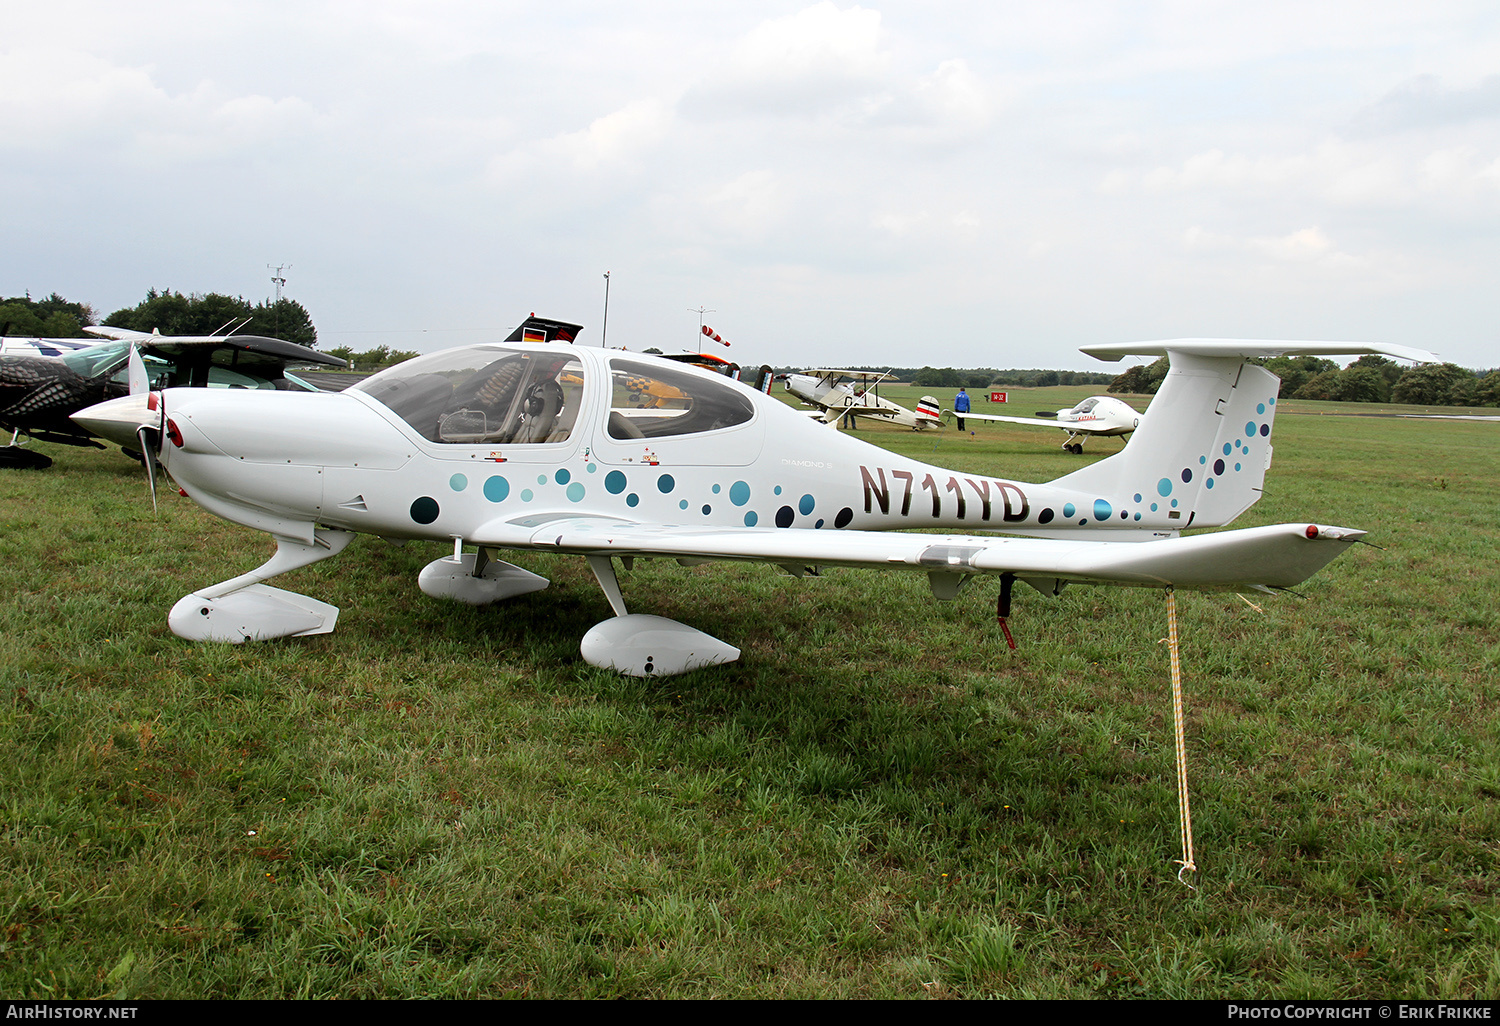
933, 377
1356, 384
1434, 384
172, 313
1296, 371
284, 319
1487, 389
1389, 370
1141, 380
1320, 386
376, 357
53, 317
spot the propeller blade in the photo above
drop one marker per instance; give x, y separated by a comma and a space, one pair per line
139, 382
148, 457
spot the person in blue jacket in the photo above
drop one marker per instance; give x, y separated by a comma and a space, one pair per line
961, 406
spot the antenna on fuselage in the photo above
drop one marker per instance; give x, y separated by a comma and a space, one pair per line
604, 334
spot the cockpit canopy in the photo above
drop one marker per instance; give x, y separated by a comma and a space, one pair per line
214, 366
493, 395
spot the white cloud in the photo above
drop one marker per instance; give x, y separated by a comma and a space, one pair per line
1335, 172
816, 43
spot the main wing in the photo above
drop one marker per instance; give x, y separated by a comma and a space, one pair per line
1254, 559
860, 377
1082, 429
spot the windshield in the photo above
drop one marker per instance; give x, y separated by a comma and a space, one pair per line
484, 395
97, 359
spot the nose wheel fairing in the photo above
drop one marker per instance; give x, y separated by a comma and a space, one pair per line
244, 609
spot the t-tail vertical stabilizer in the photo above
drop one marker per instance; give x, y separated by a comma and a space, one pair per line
1204, 444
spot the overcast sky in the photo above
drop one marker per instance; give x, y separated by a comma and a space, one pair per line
967, 184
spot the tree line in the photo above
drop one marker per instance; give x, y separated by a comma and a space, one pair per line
1370, 379
166, 311
53, 317
983, 377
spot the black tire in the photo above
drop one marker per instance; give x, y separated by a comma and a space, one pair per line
13, 457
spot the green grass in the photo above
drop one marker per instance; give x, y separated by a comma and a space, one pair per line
878, 800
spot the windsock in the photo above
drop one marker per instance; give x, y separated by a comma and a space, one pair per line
710, 333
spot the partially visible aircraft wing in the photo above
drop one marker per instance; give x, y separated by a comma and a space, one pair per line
1030, 421
259, 344
863, 377
1279, 556
1254, 348
119, 334
14, 346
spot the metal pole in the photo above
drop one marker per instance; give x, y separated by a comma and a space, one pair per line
604, 335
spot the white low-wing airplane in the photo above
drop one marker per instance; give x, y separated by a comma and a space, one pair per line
860, 397
1097, 415
607, 454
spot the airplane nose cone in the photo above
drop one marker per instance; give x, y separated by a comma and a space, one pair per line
117, 420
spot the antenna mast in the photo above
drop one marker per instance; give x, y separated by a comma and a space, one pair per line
278, 280
700, 311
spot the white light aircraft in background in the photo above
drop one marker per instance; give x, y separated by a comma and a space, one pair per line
605, 454
860, 395
1101, 415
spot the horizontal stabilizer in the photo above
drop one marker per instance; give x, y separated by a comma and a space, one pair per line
1246, 349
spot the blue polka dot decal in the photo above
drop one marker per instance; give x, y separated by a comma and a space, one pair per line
614, 482
496, 489
424, 510
458, 482
665, 483
739, 493
805, 504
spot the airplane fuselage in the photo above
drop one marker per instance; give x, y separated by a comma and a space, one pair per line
284, 462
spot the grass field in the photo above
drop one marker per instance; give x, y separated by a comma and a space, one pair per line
876, 801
